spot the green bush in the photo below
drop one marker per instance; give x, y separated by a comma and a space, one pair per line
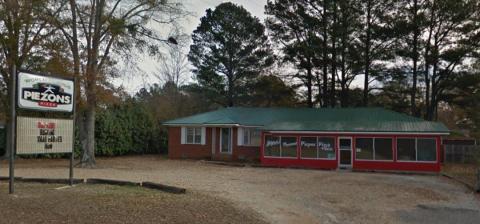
126, 129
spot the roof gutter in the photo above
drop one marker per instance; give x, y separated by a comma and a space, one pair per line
361, 132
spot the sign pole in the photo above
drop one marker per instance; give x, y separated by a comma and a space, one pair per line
12, 128
72, 156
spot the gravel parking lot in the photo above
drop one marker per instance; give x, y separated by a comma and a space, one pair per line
291, 195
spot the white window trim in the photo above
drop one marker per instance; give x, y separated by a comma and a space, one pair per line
280, 139
374, 160
416, 151
185, 135
317, 158
229, 145
241, 137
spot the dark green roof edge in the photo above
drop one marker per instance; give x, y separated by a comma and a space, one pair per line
360, 119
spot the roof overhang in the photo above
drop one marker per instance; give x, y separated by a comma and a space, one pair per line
361, 132
214, 125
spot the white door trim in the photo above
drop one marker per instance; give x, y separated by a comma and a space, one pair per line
340, 154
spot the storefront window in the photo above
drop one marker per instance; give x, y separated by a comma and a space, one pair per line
272, 146
289, 147
419, 149
374, 148
364, 148
426, 149
406, 149
383, 149
309, 147
326, 148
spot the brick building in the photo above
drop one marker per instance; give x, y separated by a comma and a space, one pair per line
331, 138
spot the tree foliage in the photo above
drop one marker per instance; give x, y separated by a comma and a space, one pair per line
229, 49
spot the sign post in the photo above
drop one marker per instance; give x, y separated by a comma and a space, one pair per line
40, 135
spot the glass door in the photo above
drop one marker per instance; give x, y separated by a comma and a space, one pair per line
226, 140
345, 152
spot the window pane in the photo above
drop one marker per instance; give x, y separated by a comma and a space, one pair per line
383, 149
406, 149
325, 148
246, 136
289, 147
225, 147
190, 133
309, 147
255, 137
198, 135
364, 148
272, 146
345, 143
426, 150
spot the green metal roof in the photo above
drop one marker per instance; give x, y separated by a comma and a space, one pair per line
312, 119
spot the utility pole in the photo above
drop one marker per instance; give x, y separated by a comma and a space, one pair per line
13, 118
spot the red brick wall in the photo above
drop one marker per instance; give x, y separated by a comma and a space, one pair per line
248, 153
177, 150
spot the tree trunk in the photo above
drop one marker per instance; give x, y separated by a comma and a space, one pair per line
343, 81
343, 94
309, 87
428, 60
415, 60
230, 92
367, 54
334, 56
88, 158
433, 98
325, 55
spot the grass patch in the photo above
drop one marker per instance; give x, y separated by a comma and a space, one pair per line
45, 203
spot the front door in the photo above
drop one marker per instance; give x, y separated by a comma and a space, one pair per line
226, 140
345, 152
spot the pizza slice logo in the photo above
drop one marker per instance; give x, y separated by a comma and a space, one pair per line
47, 95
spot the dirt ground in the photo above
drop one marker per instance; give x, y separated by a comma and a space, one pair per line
48, 203
464, 172
291, 195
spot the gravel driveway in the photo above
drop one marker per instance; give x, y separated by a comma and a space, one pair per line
292, 195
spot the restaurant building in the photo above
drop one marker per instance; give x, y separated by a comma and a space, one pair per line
330, 138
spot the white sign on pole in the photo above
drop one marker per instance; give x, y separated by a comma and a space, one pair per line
42, 135
45, 93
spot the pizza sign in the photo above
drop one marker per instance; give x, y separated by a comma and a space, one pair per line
42, 135
45, 93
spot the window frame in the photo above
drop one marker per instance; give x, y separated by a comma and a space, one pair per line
416, 150
194, 133
376, 160
280, 139
316, 137
249, 130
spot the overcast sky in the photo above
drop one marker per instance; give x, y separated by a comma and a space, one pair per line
134, 82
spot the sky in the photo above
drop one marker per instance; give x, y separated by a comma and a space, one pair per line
133, 82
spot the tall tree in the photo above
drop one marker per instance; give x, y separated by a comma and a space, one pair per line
101, 32
174, 67
453, 40
229, 49
23, 29
377, 37
293, 31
